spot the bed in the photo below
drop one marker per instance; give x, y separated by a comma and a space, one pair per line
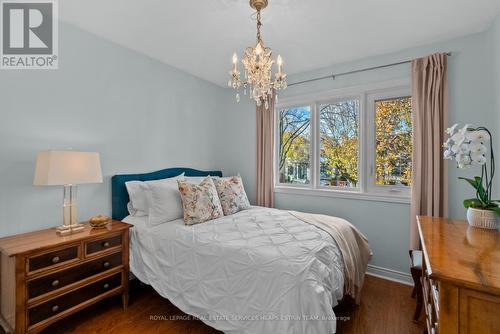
258, 271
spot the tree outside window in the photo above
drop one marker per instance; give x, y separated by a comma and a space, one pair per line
339, 126
294, 145
393, 136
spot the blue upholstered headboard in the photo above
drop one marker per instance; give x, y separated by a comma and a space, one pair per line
119, 191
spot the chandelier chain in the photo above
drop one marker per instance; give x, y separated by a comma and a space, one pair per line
259, 24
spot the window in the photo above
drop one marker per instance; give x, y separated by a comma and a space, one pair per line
339, 144
353, 143
393, 141
294, 145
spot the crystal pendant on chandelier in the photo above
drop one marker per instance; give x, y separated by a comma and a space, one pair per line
258, 62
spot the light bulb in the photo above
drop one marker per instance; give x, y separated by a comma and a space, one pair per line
235, 58
280, 64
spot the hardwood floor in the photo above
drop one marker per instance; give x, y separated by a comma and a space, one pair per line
386, 308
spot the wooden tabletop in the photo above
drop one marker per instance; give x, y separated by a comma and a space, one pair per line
457, 252
39, 240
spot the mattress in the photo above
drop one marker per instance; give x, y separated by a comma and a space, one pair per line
258, 271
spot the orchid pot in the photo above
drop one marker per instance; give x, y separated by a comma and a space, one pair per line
468, 147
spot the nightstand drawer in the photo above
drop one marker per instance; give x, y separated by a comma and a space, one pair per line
58, 280
102, 244
60, 304
53, 258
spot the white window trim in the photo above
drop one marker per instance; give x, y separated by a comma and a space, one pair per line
371, 97
317, 148
364, 191
312, 162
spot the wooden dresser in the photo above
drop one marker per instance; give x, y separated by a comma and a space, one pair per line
45, 277
461, 277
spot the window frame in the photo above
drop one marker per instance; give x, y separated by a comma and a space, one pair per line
277, 145
317, 149
371, 98
366, 139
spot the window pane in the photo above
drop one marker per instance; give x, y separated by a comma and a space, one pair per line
295, 145
393, 135
339, 127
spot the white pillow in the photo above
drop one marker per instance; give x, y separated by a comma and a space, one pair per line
164, 200
137, 192
138, 205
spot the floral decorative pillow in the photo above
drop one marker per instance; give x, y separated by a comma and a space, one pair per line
232, 195
199, 201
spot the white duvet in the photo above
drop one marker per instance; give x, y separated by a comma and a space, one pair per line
259, 271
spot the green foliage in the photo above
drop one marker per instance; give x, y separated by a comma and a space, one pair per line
339, 126
393, 141
341, 157
293, 138
482, 200
339, 151
497, 210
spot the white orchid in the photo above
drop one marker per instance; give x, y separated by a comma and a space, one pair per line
451, 130
448, 155
463, 131
455, 148
458, 138
466, 146
448, 143
478, 137
463, 159
477, 149
478, 159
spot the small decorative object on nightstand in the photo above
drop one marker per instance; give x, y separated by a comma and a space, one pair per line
45, 278
67, 168
99, 221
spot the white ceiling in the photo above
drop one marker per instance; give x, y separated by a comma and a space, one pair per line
199, 36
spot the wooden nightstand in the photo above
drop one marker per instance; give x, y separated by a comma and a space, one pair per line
45, 277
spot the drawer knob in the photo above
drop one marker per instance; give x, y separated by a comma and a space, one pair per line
55, 259
105, 286
55, 282
105, 264
55, 308
105, 244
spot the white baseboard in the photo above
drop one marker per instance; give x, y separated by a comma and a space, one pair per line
390, 274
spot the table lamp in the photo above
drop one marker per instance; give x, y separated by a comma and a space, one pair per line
68, 169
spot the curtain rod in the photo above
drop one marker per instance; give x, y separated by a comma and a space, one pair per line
333, 76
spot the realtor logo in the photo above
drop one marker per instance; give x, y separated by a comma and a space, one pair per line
29, 38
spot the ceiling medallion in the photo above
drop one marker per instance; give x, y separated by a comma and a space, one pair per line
258, 62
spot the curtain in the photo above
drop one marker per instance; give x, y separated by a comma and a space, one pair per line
430, 119
265, 154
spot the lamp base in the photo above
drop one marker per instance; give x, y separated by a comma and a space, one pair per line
69, 229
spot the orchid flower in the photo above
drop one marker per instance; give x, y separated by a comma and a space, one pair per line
467, 147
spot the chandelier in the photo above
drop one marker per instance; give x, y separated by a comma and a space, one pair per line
258, 62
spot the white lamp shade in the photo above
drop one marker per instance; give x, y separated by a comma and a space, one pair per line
56, 168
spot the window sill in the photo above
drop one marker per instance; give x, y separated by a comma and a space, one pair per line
342, 194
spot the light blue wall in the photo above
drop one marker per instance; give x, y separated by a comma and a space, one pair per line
495, 42
386, 225
140, 114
